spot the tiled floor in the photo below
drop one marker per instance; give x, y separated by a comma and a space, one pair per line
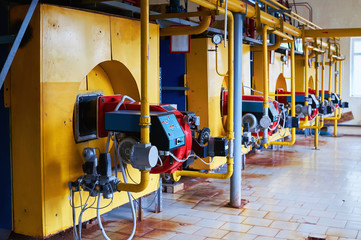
292, 193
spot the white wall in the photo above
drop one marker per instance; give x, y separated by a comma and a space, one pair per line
339, 14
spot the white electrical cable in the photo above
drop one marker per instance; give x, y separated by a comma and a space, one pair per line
207, 163
122, 101
260, 93
177, 159
283, 127
278, 123
129, 196
99, 220
131, 205
160, 160
194, 155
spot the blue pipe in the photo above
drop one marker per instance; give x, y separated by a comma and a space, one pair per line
236, 179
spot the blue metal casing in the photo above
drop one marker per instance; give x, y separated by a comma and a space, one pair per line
165, 131
173, 67
299, 99
256, 107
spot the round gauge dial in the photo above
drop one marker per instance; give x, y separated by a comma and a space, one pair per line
217, 39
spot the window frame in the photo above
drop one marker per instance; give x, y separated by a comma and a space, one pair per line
353, 54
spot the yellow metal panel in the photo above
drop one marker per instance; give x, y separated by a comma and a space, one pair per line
205, 88
300, 73
276, 70
78, 36
246, 69
27, 164
57, 65
73, 43
126, 49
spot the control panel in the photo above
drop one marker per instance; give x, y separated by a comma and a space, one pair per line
165, 131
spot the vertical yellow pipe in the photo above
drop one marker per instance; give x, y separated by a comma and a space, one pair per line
230, 129
230, 117
339, 88
144, 28
323, 80
265, 82
293, 89
330, 80
336, 110
293, 81
317, 93
144, 108
293, 100
306, 78
265, 68
339, 79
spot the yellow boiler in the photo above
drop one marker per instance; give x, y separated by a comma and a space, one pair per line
69, 52
279, 73
205, 86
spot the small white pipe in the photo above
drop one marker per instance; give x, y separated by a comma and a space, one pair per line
225, 24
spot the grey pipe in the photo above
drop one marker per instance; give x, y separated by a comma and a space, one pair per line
236, 179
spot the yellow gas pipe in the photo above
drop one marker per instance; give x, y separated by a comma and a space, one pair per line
230, 133
217, 71
203, 25
317, 122
144, 110
265, 18
323, 80
293, 100
337, 115
265, 81
307, 47
270, 47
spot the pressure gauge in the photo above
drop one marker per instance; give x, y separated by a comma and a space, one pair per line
217, 39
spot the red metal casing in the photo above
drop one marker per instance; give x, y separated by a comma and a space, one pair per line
108, 104
284, 101
224, 107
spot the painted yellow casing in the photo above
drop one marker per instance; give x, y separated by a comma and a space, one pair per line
279, 73
70, 52
204, 95
300, 74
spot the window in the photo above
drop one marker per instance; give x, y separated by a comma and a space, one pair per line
355, 67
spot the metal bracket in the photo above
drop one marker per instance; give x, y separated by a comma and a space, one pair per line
258, 20
17, 41
281, 24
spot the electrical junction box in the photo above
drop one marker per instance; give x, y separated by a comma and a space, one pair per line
165, 131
